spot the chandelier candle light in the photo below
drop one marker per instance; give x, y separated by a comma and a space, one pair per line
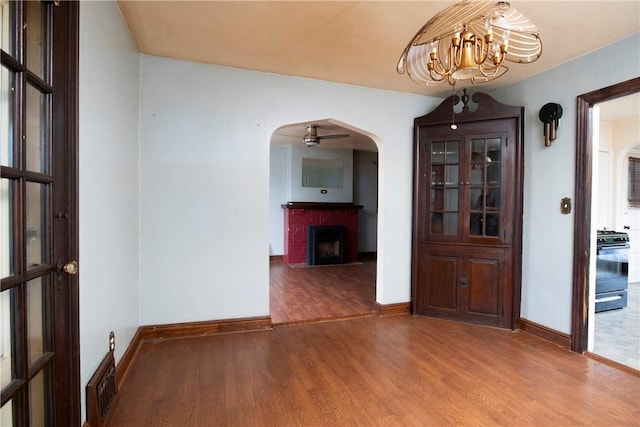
470, 41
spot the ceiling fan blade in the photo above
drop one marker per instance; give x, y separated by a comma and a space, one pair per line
334, 136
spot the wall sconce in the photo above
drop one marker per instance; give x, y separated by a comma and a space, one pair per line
550, 115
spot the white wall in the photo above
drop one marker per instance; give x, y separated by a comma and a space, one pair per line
550, 175
626, 137
278, 184
604, 195
109, 75
365, 193
205, 134
298, 193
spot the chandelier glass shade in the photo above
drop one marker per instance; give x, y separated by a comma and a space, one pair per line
470, 41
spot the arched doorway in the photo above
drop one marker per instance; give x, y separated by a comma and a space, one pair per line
301, 293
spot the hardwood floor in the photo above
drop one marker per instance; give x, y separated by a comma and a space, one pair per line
373, 371
314, 293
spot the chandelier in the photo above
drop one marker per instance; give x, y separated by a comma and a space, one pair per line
471, 41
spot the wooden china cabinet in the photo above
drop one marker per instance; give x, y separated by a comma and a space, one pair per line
467, 215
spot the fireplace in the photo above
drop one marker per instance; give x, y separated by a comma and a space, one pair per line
325, 244
298, 216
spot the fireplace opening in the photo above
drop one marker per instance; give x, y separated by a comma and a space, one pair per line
325, 244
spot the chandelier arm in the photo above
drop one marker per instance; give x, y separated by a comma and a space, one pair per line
488, 72
439, 67
438, 76
481, 51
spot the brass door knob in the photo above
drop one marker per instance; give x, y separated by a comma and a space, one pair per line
71, 268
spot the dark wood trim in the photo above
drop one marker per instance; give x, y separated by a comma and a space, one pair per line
276, 257
488, 109
582, 213
613, 363
206, 328
398, 309
324, 319
319, 205
65, 102
122, 368
562, 339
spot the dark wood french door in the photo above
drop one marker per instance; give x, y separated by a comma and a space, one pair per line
39, 343
467, 215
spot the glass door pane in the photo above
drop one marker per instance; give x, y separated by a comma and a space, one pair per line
35, 29
444, 187
37, 130
7, 93
484, 186
7, 368
6, 35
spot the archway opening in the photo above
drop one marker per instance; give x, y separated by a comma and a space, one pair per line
299, 292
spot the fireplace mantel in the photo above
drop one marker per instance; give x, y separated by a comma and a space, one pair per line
299, 215
319, 205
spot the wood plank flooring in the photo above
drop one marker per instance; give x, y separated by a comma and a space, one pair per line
314, 293
373, 371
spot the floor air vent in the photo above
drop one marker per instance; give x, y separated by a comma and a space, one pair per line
102, 392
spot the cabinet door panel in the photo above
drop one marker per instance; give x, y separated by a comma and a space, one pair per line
443, 279
438, 277
484, 288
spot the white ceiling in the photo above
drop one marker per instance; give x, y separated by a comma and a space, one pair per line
354, 42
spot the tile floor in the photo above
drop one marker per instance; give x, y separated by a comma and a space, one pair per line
617, 332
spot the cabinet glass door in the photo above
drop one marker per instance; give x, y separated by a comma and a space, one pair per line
444, 206
484, 186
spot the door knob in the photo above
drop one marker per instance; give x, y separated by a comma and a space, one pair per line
71, 267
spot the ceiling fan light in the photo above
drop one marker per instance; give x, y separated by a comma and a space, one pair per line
311, 142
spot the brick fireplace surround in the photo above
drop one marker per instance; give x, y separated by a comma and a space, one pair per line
298, 215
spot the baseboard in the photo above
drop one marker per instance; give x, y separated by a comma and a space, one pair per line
186, 330
399, 309
122, 368
206, 328
560, 338
276, 257
613, 363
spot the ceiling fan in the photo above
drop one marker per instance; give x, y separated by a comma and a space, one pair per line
311, 137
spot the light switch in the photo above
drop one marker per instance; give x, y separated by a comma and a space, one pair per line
565, 205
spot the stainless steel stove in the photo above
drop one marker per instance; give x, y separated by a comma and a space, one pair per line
612, 270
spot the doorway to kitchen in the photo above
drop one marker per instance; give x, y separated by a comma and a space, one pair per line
615, 304
586, 221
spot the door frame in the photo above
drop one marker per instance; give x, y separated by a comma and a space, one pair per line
583, 200
66, 64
